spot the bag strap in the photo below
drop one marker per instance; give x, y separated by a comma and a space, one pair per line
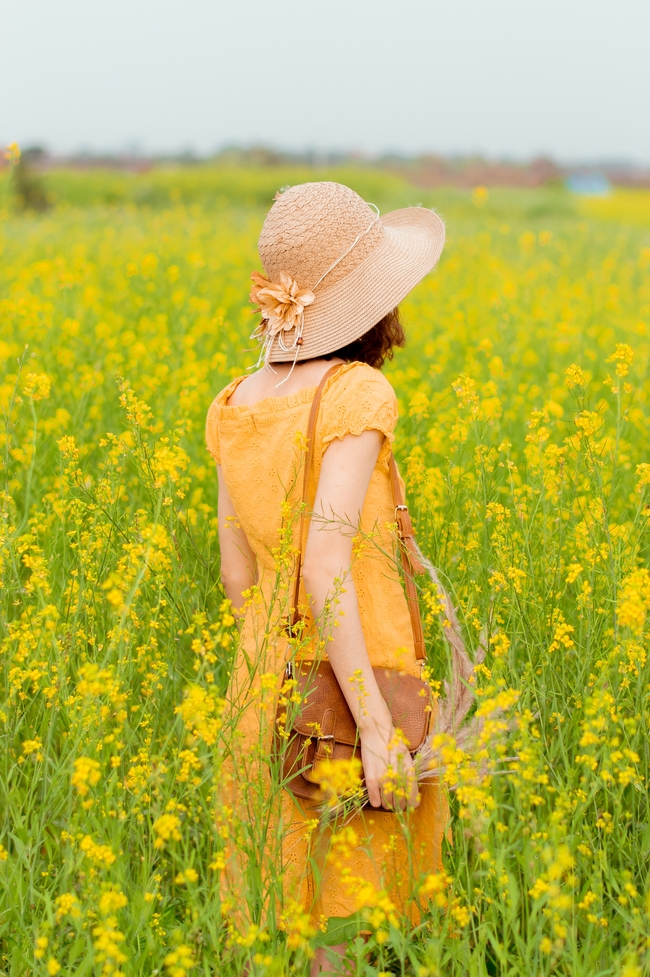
409, 553
409, 558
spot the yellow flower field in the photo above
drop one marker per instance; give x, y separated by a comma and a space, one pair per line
524, 439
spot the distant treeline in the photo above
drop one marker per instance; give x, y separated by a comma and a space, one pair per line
208, 187
424, 171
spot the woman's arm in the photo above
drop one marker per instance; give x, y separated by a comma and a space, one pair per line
345, 475
238, 567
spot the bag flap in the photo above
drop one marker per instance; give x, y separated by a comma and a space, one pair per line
407, 697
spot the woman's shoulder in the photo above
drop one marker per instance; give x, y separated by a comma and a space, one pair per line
212, 420
358, 379
224, 395
358, 398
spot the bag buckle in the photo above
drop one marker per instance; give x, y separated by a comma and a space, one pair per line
321, 755
323, 752
403, 520
328, 722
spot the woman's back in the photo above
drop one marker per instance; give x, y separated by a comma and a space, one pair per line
260, 445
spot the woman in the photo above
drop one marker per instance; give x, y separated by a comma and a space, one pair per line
336, 272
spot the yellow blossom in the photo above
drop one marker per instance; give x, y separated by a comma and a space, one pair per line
100, 854
575, 377
37, 386
86, 774
187, 875
67, 905
167, 828
179, 961
110, 901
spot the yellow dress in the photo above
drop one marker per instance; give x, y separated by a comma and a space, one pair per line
329, 872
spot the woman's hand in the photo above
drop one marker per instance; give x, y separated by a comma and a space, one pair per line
388, 769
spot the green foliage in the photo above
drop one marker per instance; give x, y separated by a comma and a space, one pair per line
523, 439
209, 186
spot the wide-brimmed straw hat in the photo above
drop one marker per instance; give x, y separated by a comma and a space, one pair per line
334, 268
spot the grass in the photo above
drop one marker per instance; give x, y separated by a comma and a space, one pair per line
523, 437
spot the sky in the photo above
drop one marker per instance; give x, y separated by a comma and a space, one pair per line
568, 79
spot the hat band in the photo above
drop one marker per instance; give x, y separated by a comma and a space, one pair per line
352, 246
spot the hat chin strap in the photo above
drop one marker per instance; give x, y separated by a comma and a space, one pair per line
297, 339
297, 343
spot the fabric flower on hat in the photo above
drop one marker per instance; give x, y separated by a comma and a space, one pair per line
281, 305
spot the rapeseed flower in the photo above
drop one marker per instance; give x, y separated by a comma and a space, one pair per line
526, 467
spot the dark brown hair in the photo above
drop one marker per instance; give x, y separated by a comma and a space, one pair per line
377, 345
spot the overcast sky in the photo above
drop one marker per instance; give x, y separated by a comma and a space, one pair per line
569, 78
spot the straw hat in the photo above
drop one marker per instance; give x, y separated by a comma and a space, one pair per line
334, 268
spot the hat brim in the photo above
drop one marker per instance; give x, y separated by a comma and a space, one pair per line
412, 243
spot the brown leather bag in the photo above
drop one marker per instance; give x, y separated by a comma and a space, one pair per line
320, 726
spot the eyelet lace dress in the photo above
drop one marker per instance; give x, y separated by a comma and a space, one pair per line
328, 871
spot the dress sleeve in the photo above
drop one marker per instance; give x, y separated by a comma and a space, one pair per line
212, 432
358, 399
212, 420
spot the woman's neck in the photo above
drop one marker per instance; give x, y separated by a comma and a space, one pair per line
280, 380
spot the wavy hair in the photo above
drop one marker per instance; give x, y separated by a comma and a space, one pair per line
377, 345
